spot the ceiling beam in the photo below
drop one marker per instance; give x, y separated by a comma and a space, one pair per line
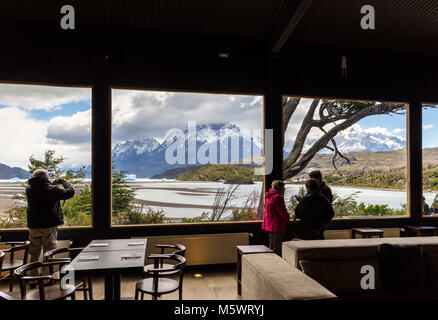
292, 22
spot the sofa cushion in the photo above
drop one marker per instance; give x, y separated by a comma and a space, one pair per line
265, 276
402, 267
342, 277
432, 270
341, 249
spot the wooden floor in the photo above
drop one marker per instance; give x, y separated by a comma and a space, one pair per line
215, 283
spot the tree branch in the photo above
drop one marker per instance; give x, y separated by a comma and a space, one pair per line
289, 105
300, 139
340, 110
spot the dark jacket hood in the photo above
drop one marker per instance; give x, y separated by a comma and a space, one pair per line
38, 182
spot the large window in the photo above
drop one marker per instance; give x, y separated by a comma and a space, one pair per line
430, 160
185, 157
359, 147
49, 128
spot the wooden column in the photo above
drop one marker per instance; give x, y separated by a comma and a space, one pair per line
101, 158
415, 160
273, 116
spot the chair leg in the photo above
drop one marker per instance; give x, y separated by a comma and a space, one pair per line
73, 296
136, 294
90, 288
11, 281
85, 295
142, 296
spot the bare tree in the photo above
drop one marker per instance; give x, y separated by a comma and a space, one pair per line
332, 116
221, 201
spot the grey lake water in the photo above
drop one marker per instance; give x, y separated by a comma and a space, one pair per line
202, 194
190, 199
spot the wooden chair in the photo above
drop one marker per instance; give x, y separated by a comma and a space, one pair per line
5, 296
179, 250
156, 285
2, 256
85, 285
12, 264
44, 291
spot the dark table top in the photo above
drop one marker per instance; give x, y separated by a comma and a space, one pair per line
112, 258
116, 245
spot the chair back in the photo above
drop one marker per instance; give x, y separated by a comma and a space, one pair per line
179, 265
16, 246
49, 256
2, 256
180, 250
24, 278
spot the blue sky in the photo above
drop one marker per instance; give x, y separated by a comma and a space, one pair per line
430, 127
66, 110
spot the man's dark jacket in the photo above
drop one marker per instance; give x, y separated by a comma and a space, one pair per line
325, 190
314, 212
43, 203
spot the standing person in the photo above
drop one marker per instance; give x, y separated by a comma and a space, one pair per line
314, 211
426, 209
44, 212
275, 217
324, 188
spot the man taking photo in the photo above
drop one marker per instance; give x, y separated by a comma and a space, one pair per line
44, 212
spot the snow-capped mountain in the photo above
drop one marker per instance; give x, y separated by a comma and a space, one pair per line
213, 143
356, 139
131, 148
373, 139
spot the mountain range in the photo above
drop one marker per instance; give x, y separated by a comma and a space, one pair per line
356, 139
7, 172
146, 157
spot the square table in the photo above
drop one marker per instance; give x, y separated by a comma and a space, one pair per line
111, 262
366, 232
421, 231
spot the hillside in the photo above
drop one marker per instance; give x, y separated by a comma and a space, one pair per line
7, 172
174, 173
386, 169
228, 173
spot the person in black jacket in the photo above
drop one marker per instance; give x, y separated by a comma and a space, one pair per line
44, 212
323, 187
314, 211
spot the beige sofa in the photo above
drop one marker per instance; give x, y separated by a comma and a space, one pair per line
324, 269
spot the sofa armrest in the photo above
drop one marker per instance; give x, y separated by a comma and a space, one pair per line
266, 276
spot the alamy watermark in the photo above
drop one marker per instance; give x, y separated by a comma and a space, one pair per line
205, 146
368, 281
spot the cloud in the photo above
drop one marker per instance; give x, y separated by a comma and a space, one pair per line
33, 97
23, 136
70, 130
138, 114
398, 130
428, 126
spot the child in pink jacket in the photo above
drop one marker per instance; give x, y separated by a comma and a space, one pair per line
275, 217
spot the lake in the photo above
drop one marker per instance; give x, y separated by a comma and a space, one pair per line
190, 199
172, 194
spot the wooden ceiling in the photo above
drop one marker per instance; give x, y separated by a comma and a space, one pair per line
402, 26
